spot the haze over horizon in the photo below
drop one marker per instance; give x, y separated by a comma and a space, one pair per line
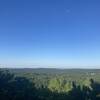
50, 33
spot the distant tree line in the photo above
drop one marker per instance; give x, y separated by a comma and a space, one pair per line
14, 87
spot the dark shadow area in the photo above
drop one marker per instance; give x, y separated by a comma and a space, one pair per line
21, 88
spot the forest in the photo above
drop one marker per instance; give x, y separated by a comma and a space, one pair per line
49, 84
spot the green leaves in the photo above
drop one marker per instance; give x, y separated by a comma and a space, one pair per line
42, 87
60, 85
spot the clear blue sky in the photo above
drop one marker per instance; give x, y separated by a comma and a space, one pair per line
50, 32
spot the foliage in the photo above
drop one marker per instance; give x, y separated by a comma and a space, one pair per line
42, 86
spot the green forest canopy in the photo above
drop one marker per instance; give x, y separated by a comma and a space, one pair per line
43, 84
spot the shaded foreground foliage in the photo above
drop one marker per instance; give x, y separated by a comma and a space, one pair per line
20, 88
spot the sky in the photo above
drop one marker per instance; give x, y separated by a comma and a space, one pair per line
50, 33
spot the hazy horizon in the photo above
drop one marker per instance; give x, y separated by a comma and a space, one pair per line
49, 66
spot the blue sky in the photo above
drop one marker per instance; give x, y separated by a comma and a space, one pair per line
50, 33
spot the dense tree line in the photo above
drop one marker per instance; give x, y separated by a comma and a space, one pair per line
14, 87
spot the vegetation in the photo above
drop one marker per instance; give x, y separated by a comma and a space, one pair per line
49, 84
